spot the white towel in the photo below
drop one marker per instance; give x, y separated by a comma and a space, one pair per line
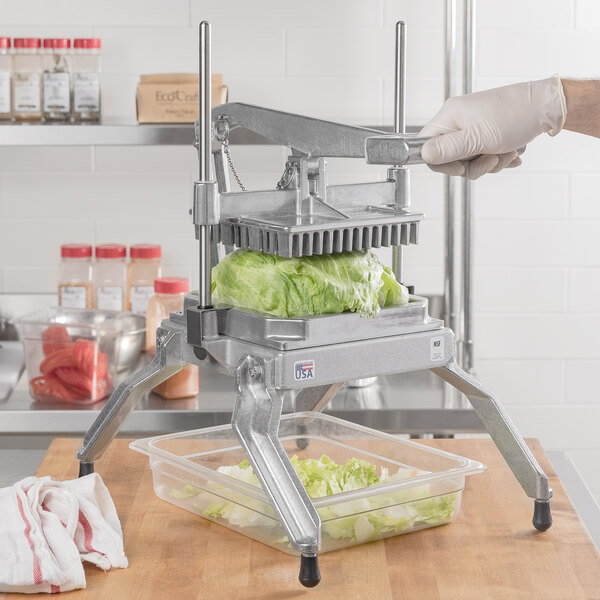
48, 527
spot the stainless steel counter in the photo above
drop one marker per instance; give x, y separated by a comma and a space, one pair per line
414, 403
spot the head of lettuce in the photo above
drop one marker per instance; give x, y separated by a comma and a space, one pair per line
309, 285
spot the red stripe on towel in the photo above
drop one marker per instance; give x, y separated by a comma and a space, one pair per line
87, 533
37, 572
55, 589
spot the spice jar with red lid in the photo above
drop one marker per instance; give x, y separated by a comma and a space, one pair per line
75, 276
26, 80
56, 79
5, 77
143, 268
110, 276
86, 79
168, 297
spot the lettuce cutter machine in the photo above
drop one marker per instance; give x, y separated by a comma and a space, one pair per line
314, 356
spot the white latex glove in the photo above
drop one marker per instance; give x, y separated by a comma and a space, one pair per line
489, 127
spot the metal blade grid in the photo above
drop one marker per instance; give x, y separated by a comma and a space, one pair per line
321, 241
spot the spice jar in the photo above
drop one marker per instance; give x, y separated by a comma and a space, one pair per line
168, 297
110, 276
27, 73
5, 73
75, 276
56, 79
143, 268
86, 79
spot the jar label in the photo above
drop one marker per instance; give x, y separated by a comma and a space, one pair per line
26, 92
109, 297
73, 296
86, 92
140, 295
4, 92
57, 92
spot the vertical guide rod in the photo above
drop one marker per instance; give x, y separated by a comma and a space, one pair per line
399, 123
450, 188
204, 155
467, 232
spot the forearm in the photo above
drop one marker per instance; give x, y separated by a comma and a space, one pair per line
583, 105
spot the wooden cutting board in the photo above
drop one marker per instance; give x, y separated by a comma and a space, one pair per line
491, 551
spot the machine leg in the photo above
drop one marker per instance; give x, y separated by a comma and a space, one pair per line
126, 396
313, 398
85, 468
508, 440
255, 421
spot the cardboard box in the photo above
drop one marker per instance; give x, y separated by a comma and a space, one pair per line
173, 97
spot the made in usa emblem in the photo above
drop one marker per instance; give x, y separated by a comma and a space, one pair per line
304, 370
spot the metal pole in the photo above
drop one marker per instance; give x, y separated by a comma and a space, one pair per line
399, 122
450, 188
204, 156
467, 230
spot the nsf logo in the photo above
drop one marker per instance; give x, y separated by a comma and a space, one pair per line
304, 370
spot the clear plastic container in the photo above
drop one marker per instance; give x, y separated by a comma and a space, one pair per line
184, 470
75, 288
26, 79
56, 79
86, 79
5, 77
143, 268
72, 355
110, 277
168, 297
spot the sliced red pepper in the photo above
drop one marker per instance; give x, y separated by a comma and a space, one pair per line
50, 387
88, 360
74, 378
58, 358
55, 338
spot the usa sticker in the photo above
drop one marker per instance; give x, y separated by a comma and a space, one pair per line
436, 348
304, 369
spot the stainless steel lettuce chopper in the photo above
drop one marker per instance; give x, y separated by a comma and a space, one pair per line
315, 355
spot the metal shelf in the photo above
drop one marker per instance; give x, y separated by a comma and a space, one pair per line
113, 131
413, 403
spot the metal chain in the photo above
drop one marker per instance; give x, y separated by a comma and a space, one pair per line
225, 142
288, 175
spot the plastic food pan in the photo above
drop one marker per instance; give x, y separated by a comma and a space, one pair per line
422, 486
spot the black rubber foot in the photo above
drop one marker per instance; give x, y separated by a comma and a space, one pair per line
309, 570
542, 517
85, 468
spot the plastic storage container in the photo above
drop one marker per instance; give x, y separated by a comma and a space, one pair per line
86, 79
56, 79
5, 77
75, 276
72, 355
184, 470
26, 79
143, 268
110, 277
168, 297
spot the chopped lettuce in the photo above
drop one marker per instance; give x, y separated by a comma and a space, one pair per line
310, 285
357, 520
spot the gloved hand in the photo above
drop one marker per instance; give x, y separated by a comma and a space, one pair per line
491, 126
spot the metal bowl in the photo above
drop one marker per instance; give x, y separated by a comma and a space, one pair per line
131, 343
130, 328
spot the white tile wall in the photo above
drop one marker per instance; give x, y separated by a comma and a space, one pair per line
537, 254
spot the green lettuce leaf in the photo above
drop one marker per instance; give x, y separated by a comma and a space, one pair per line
309, 285
357, 520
